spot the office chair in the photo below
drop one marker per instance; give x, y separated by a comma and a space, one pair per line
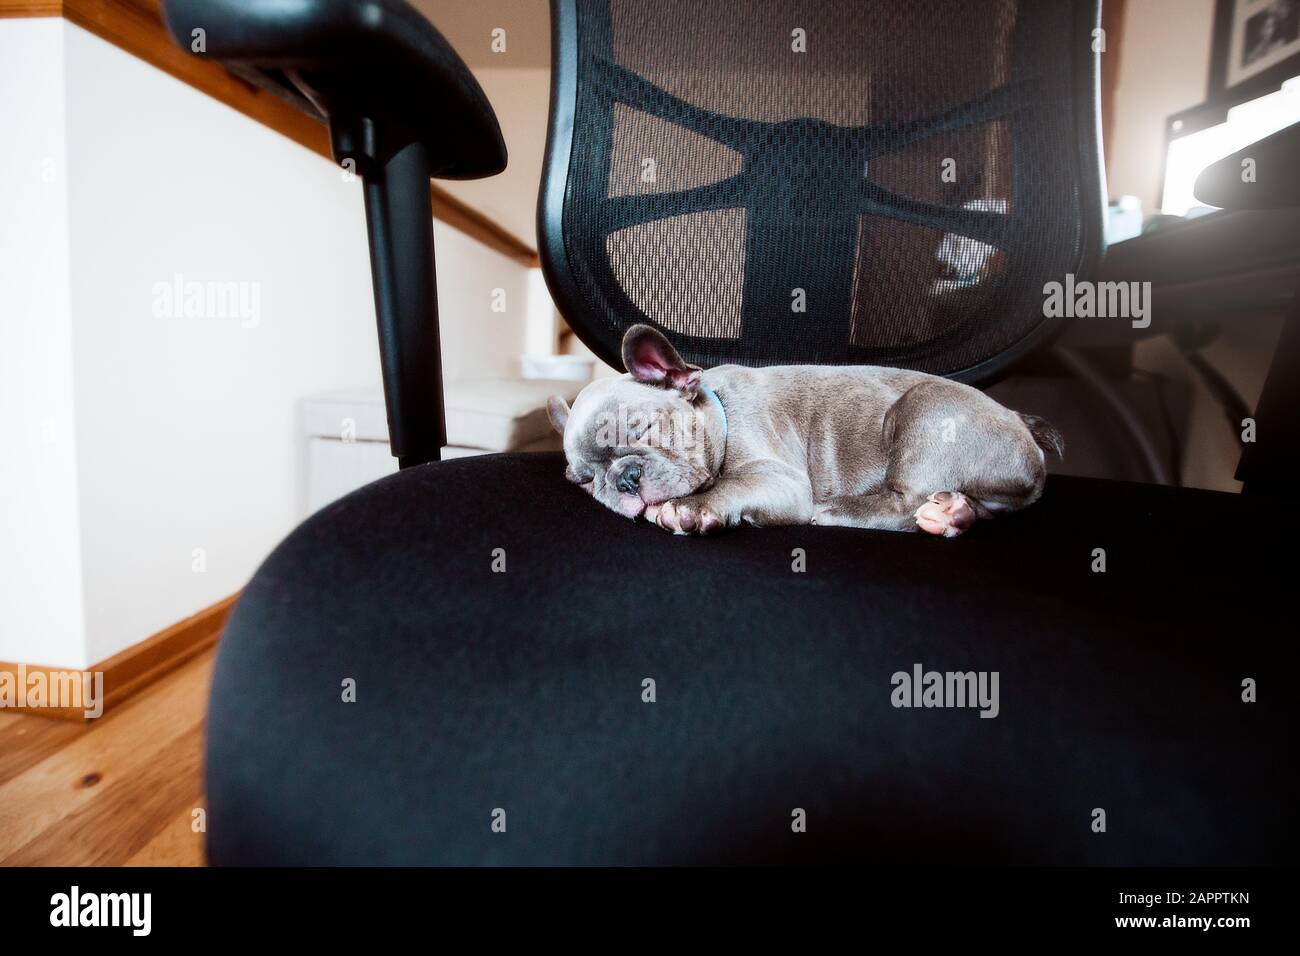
470, 662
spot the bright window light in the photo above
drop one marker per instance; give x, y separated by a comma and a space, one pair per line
1247, 123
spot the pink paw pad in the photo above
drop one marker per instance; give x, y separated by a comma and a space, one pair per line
682, 518
945, 512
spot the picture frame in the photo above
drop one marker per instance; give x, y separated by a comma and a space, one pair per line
1255, 49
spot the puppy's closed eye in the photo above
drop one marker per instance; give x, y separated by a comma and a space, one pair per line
579, 476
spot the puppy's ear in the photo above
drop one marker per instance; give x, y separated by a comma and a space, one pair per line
557, 410
652, 360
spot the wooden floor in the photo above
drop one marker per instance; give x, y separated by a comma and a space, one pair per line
120, 790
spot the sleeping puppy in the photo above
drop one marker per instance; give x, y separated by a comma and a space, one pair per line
696, 452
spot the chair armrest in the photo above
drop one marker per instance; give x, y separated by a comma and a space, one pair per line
380, 60
401, 108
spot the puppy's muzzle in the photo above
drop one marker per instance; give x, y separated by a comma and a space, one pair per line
628, 480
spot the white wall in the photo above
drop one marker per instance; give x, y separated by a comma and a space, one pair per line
40, 557
477, 341
186, 428
1164, 67
521, 98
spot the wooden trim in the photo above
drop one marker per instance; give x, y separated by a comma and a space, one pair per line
30, 8
138, 666
136, 26
1112, 21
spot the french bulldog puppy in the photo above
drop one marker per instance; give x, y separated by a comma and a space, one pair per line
698, 451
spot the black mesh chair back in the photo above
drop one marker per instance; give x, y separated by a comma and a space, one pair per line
884, 182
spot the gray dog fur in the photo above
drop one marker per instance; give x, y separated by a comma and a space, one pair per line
855, 446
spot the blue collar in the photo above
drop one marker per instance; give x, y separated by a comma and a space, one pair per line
712, 396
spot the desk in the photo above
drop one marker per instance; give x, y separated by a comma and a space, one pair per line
1215, 267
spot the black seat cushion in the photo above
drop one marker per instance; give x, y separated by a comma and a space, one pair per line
522, 690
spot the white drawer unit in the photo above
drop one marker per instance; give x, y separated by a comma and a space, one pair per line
347, 431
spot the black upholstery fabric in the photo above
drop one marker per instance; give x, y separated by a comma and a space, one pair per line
833, 182
522, 690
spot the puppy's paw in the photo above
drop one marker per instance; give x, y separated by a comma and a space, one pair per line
829, 515
945, 512
685, 516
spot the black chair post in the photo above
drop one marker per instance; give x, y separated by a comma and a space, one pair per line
399, 221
